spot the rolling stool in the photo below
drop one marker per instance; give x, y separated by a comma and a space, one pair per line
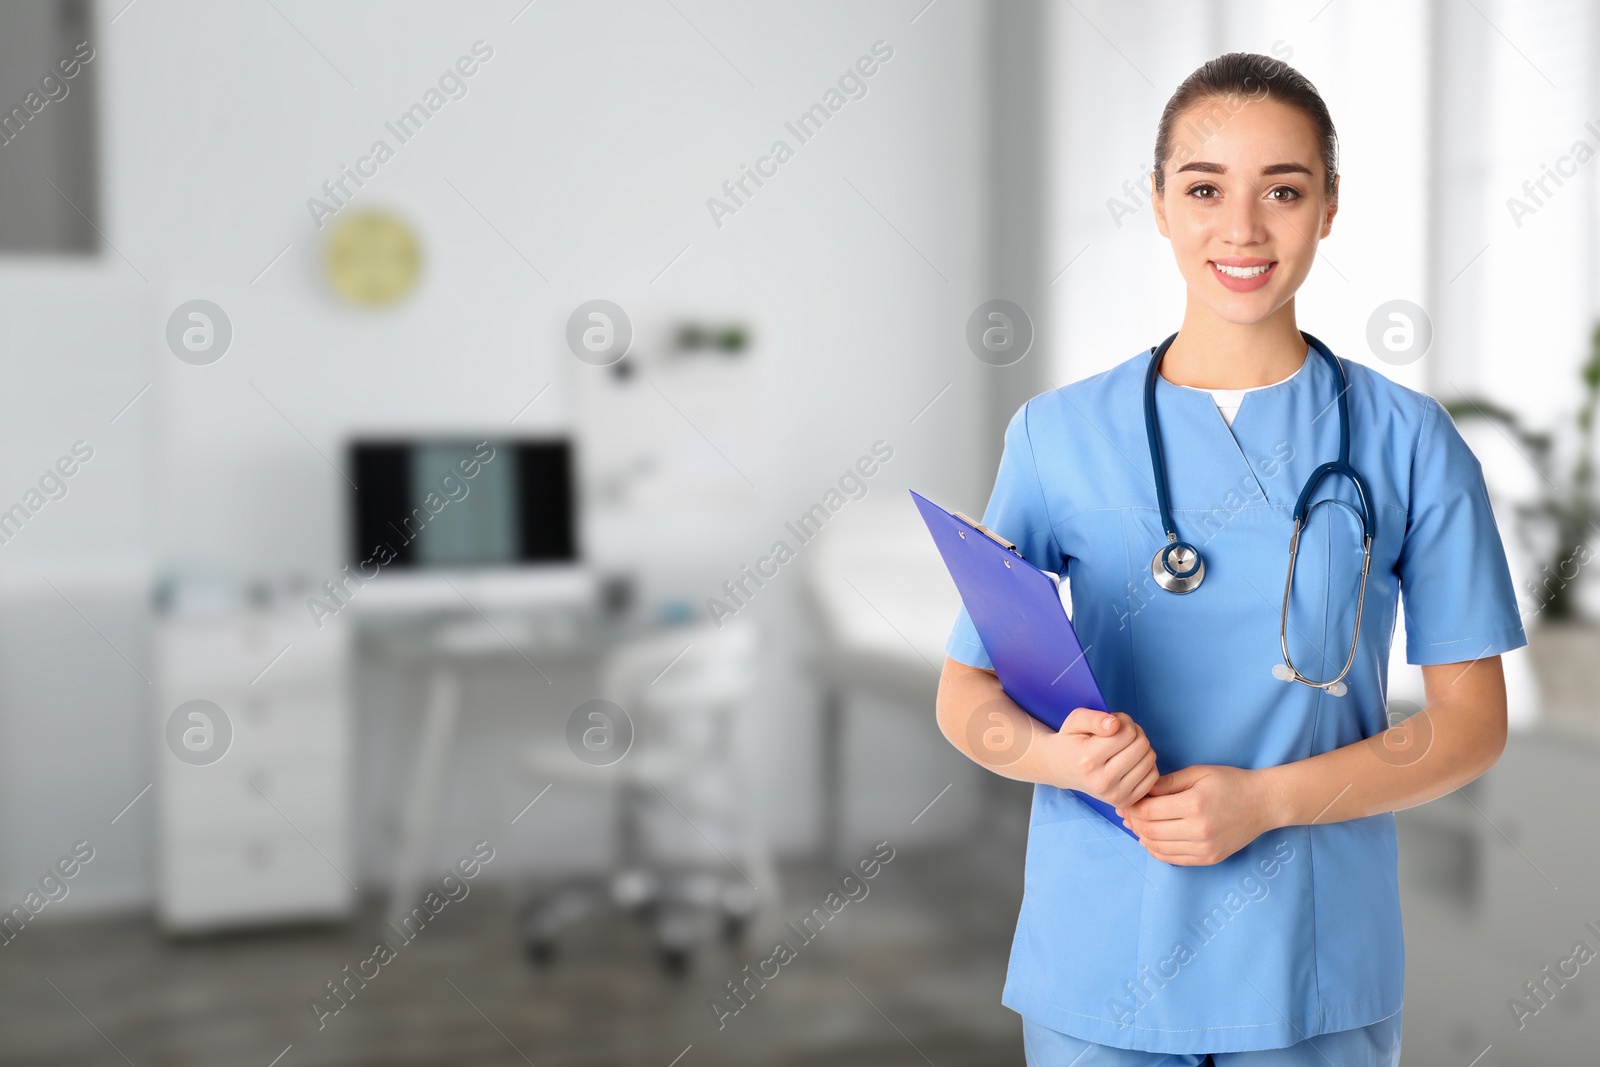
683, 691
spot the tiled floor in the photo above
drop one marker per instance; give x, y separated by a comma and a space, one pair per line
908, 974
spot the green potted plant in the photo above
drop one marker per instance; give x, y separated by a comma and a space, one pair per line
1566, 510
1563, 519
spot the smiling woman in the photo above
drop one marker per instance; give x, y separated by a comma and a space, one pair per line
1233, 728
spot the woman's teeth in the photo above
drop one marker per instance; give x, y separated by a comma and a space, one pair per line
1242, 272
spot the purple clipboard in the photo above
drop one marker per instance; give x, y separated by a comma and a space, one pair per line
1017, 611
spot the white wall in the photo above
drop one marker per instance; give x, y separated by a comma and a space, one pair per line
591, 140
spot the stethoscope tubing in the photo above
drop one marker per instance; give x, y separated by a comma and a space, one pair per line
1188, 574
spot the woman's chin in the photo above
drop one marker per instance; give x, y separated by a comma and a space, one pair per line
1248, 309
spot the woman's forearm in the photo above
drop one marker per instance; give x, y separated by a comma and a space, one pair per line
1105, 754
1456, 738
988, 727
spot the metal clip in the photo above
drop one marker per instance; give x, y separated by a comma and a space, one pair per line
981, 528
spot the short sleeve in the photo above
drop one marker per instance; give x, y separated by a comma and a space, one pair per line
1016, 512
1460, 603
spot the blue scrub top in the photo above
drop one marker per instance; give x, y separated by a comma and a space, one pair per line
1298, 933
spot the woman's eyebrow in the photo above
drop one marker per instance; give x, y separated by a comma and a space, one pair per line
1273, 168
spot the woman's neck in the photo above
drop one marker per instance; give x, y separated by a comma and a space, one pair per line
1212, 353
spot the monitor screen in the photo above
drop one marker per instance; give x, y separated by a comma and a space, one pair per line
455, 502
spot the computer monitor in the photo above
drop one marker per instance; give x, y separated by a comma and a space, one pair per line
454, 502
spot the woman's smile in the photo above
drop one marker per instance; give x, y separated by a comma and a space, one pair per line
1242, 274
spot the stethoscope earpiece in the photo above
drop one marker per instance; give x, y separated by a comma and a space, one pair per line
1285, 673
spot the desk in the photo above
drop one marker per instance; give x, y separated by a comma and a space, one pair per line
445, 644
881, 604
903, 679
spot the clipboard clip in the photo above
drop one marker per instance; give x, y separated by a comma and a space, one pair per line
981, 528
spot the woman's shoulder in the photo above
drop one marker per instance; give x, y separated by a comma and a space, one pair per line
1106, 396
1377, 399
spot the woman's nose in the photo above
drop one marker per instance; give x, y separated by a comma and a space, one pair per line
1245, 219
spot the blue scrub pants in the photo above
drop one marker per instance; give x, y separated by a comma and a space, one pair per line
1377, 1045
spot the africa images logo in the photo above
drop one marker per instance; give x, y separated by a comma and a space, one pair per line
452, 85
852, 86
850, 888
452, 888
1206, 928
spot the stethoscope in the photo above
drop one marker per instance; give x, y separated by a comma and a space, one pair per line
1177, 566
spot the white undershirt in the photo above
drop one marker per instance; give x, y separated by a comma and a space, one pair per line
1228, 400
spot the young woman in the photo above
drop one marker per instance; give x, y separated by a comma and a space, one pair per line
1255, 920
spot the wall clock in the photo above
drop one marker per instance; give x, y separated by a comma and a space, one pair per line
372, 258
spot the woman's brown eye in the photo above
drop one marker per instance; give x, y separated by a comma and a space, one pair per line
1203, 188
1295, 194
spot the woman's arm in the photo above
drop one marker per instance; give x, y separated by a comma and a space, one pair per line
1104, 754
1458, 736
1205, 813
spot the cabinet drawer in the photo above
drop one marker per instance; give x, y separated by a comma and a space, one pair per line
254, 878
267, 723
271, 724
252, 650
240, 795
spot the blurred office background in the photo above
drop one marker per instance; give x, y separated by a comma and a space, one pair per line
557, 748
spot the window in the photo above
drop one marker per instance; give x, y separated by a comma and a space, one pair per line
49, 160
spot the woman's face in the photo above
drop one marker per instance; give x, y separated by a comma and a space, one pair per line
1249, 196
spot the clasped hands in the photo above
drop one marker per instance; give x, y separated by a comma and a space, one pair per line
1195, 816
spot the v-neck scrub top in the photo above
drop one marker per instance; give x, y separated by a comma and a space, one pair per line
1298, 933
1228, 400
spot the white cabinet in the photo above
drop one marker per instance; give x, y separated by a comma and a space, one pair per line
253, 776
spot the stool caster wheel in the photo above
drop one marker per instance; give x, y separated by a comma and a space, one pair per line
738, 906
675, 960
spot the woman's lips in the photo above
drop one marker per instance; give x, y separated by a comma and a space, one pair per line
1242, 285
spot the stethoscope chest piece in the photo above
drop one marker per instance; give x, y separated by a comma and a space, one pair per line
1177, 567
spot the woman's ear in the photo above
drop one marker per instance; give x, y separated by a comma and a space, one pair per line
1158, 206
1333, 209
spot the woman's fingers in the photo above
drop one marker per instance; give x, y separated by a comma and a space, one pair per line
1181, 861
1139, 784
1137, 770
1122, 772
1168, 825
1166, 807
1169, 845
1171, 835
1125, 759
1127, 736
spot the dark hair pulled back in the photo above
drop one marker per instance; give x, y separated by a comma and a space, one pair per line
1233, 80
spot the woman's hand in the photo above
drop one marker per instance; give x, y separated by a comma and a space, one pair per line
1103, 753
1200, 815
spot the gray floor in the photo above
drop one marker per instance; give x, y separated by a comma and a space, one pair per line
909, 974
